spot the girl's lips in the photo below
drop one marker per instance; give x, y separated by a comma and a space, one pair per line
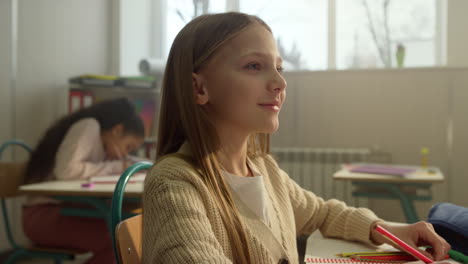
271, 107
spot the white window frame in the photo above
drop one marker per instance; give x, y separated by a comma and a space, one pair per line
159, 31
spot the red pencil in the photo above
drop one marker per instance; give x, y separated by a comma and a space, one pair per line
402, 244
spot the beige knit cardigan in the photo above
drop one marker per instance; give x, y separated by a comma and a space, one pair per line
181, 223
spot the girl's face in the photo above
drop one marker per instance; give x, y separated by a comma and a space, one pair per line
117, 144
242, 87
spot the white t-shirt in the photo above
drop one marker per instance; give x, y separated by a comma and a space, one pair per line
251, 191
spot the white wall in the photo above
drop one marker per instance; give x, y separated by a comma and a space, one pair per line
457, 33
57, 39
5, 105
400, 111
459, 157
5, 73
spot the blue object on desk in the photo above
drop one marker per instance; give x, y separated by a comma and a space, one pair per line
450, 221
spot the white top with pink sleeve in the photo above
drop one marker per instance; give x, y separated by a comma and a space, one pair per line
81, 154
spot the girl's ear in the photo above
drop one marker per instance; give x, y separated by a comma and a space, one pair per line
199, 90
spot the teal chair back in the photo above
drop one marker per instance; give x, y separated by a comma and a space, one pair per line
11, 178
118, 196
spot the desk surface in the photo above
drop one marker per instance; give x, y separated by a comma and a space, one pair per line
421, 175
73, 188
320, 247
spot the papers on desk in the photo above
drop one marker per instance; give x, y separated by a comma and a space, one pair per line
112, 179
397, 171
323, 250
137, 159
384, 169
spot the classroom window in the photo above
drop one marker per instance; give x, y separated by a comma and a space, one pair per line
180, 12
329, 34
300, 29
368, 33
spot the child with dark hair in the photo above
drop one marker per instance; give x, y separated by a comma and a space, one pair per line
90, 142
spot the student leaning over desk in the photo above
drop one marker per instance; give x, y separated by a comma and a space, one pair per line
215, 195
93, 141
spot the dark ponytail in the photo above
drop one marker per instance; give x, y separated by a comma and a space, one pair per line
108, 114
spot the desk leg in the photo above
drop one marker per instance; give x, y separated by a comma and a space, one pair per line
393, 192
101, 208
406, 204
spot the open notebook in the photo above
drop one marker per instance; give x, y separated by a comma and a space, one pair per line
325, 250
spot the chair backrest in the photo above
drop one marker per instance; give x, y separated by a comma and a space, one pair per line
117, 200
128, 235
11, 177
11, 173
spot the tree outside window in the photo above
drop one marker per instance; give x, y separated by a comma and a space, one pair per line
367, 33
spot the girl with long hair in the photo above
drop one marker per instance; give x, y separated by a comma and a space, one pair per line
90, 142
215, 194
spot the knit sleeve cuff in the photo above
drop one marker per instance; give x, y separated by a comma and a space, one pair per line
358, 226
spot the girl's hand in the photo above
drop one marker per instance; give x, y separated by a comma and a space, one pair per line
125, 162
415, 235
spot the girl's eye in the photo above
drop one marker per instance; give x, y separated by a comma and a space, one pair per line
280, 69
253, 66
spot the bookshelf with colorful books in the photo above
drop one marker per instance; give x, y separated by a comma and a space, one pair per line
143, 91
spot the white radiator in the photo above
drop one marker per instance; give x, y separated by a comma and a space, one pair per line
313, 169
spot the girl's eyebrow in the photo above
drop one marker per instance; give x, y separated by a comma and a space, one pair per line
262, 55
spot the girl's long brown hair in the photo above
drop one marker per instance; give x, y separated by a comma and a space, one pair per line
181, 119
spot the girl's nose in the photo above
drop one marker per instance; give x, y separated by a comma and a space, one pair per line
278, 83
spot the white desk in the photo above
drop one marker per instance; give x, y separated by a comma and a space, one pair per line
421, 175
73, 188
97, 196
406, 189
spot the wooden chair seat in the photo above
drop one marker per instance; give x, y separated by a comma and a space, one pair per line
11, 177
128, 235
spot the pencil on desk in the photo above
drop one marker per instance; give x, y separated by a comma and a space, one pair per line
385, 258
372, 253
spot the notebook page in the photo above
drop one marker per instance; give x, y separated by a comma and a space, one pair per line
325, 250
